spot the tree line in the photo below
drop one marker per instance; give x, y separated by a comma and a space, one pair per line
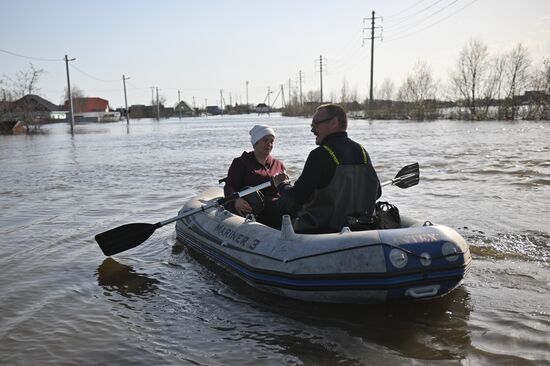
481, 86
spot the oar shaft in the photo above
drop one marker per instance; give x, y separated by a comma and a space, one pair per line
218, 202
254, 189
189, 213
403, 177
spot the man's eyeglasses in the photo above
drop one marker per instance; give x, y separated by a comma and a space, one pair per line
315, 123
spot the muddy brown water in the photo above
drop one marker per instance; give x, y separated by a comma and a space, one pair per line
63, 302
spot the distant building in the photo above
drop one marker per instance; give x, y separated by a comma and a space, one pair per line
28, 113
262, 108
84, 105
149, 111
34, 107
213, 110
240, 109
92, 109
183, 109
534, 97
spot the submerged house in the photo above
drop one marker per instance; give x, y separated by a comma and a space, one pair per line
92, 109
213, 110
28, 112
38, 108
184, 110
262, 108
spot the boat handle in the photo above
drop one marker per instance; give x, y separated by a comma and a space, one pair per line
418, 292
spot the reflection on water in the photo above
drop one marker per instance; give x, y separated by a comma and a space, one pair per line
113, 276
433, 329
430, 330
158, 305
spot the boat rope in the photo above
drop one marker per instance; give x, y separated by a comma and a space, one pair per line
419, 256
198, 230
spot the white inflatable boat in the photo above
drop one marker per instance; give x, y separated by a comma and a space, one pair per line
420, 260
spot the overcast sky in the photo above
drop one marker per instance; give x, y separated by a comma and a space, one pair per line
200, 47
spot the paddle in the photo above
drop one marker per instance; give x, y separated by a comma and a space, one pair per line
407, 177
129, 236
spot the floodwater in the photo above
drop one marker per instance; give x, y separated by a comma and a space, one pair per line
63, 302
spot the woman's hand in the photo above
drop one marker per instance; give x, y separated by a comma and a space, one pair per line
280, 178
242, 207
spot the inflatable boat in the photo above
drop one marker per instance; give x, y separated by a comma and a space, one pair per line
419, 260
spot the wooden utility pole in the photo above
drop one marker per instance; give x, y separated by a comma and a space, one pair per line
124, 78
321, 75
301, 97
289, 93
158, 104
179, 103
268, 100
221, 100
71, 109
372, 37
371, 59
247, 105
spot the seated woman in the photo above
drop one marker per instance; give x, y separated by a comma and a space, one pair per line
251, 169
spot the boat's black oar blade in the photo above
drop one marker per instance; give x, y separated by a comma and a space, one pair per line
128, 236
124, 237
408, 176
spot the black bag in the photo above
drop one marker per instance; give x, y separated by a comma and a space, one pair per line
387, 216
256, 201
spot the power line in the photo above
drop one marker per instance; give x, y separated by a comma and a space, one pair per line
403, 29
347, 51
433, 24
31, 57
93, 77
409, 17
352, 64
404, 10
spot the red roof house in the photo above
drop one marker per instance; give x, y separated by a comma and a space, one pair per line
94, 104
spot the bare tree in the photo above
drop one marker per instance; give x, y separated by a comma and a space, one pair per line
516, 79
539, 98
313, 96
344, 92
387, 90
78, 96
19, 91
5, 98
385, 98
420, 90
492, 93
26, 81
470, 78
353, 95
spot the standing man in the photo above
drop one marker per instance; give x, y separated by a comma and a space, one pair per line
338, 179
